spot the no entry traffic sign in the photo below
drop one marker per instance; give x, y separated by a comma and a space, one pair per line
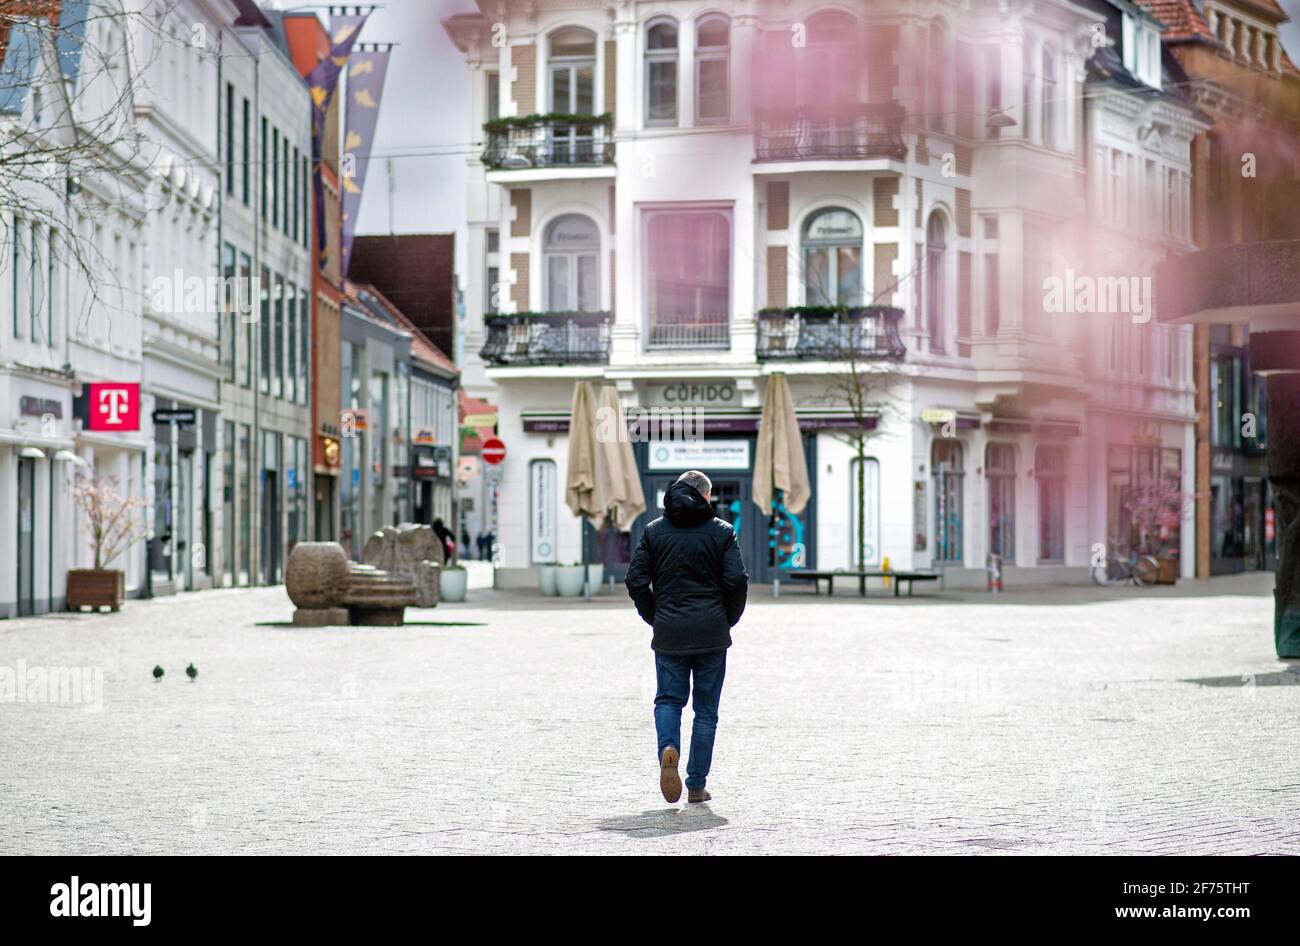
493, 451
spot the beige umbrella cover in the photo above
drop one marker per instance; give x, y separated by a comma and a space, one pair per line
581, 487
780, 460
616, 473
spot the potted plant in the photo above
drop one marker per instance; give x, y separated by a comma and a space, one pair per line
546, 578
453, 582
113, 528
569, 579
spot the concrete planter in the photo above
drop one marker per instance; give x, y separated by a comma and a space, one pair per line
95, 588
595, 575
569, 579
546, 579
452, 584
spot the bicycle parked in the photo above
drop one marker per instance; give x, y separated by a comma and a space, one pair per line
1140, 570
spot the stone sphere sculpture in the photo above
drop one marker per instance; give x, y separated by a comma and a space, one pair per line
316, 575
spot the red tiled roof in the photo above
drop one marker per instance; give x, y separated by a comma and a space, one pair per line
1181, 17
421, 347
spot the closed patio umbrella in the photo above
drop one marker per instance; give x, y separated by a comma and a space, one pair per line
616, 472
780, 463
581, 484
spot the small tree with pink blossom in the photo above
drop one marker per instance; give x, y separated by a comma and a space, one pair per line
1155, 511
110, 517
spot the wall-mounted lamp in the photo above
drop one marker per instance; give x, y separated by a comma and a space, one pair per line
31, 453
67, 456
999, 119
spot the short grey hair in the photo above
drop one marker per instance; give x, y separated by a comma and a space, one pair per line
698, 480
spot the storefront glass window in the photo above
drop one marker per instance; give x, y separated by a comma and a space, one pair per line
245, 504
228, 501
380, 425
1049, 474
1000, 468
946, 463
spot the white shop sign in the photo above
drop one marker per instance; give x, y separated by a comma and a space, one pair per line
542, 510
680, 456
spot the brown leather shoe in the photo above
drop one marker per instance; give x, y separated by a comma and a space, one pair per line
670, 783
697, 795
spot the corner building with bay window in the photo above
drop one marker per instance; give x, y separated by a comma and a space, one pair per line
682, 198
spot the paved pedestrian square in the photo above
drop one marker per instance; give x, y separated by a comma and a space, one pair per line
1063, 720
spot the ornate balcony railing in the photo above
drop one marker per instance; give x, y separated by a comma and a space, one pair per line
817, 132
547, 338
831, 334
549, 141
672, 333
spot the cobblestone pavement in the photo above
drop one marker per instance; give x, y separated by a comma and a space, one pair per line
1056, 721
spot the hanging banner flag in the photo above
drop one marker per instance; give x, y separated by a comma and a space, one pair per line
321, 82
366, 72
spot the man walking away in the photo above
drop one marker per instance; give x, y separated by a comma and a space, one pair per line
689, 583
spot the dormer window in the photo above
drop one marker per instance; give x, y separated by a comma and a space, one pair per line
1141, 42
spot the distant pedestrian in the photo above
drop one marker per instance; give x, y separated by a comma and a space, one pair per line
480, 541
688, 581
447, 537
464, 539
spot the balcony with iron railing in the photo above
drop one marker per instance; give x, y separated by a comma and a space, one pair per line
830, 334
533, 142
546, 338
815, 132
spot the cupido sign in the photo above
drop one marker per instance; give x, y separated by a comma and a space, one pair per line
699, 455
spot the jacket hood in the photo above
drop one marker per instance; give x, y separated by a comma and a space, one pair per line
684, 506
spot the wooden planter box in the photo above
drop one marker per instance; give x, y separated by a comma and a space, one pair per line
1168, 571
95, 588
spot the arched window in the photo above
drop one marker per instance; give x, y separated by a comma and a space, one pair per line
661, 72
937, 73
1000, 471
936, 294
946, 466
571, 264
832, 258
712, 68
571, 69
571, 90
828, 73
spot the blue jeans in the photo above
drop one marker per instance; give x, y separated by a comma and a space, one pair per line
674, 673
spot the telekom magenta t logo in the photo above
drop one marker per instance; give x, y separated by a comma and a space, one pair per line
113, 406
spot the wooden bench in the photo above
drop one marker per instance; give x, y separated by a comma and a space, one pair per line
818, 576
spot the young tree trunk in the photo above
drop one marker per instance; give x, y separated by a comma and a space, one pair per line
862, 502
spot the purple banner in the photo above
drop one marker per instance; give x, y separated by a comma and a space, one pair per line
366, 72
321, 82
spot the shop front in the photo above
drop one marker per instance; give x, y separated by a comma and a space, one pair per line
35, 507
767, 543
431, 482
113, 443
1242, 515
182, 536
